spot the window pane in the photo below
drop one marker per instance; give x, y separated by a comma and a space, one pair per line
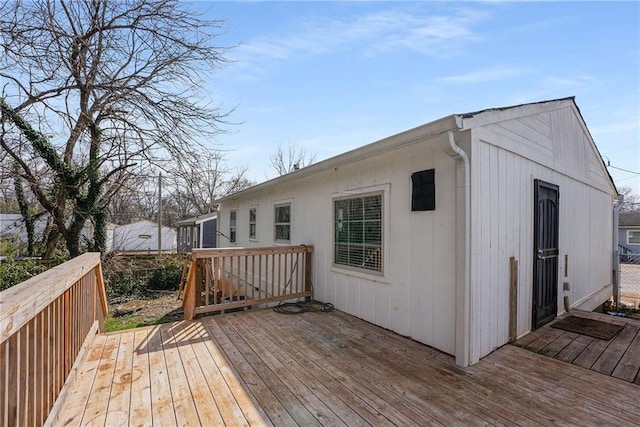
355, 209
373, 207
373, 232
282, 232
252, 231
283, 213
358, 232
356, 255
342, 232
373, 258
252, 215
232, 226
634, 237
341, 254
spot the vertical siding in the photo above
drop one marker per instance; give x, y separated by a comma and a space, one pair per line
416, 295
502, 218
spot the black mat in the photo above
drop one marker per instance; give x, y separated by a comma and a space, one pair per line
590, 327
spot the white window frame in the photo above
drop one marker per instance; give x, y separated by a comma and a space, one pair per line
276, 224
629, 232
382, 252
253, 223
233, 226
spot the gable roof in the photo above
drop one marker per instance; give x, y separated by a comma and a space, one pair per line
511, 107
629, 219
429, 130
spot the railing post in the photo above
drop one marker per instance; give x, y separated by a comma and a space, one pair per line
189, 302
308, 285
200, 266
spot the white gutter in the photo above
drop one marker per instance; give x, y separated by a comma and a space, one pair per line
463, 294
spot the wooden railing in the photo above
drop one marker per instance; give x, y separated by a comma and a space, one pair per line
44, 325
227, 278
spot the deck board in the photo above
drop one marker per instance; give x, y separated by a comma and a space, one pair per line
262, 368
183, 402
140, 414
618, 357
96, 409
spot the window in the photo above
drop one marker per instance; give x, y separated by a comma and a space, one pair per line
633, 237
232, 226
358, 232
252, 222
283, 223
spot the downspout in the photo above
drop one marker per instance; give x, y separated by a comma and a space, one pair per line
616, 251
463, 334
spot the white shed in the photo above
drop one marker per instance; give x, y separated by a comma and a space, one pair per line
142, 236
420, 232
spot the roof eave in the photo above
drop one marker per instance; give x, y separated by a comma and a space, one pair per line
411, 136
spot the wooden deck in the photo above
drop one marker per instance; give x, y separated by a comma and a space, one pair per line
263, 368
618, 357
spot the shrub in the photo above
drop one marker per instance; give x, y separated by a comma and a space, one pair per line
165, 277
124, 283
13, 272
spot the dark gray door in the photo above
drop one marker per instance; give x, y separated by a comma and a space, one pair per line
545, 264
209, 233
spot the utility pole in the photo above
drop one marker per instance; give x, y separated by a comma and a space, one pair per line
159, 213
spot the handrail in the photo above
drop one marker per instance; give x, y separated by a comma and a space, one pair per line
45, 323
623, 250
226, 278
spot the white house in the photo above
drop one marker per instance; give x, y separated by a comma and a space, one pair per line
142, 236
420, 232
197, 232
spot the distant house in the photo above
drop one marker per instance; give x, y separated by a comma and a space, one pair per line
629, 232
420, 232
12, 228
197, 232
142, 236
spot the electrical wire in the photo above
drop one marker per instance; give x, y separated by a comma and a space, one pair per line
300, 307
623, 170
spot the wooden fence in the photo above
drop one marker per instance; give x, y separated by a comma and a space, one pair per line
227, 278
45, 324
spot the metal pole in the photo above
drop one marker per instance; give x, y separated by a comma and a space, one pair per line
159, 213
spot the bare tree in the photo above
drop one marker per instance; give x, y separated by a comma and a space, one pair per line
293, 158
116, 83
198, 181
630, 202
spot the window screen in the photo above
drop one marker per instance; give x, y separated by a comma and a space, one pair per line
252, 223
358, 232
232, 226
283, 223
633, 237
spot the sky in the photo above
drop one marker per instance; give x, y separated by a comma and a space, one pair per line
332, 76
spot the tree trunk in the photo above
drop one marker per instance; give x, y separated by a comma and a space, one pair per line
52, 243
100, 232
27, 218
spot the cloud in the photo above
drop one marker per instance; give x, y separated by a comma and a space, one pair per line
573, 82
488, 74
373, 33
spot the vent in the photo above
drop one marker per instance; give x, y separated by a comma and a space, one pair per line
423, 191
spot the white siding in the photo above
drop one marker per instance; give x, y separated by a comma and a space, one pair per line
505, 162
415, 297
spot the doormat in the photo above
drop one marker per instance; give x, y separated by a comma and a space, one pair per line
590, 327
